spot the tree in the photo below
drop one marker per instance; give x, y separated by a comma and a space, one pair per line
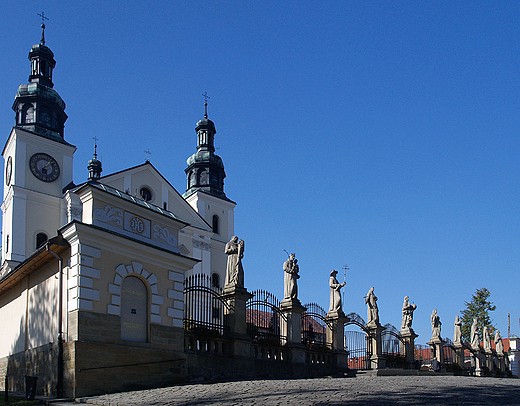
479, 307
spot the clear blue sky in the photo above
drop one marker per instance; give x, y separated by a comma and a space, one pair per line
380, 134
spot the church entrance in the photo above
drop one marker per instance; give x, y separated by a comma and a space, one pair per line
134, 310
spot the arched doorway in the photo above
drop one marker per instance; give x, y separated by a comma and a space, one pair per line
134, 310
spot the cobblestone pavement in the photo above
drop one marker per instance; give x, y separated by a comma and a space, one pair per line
382, 390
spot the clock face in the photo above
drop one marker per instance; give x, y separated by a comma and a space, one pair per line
8, 171
44, 167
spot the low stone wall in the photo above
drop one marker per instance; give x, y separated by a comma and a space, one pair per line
103, 368
41, 362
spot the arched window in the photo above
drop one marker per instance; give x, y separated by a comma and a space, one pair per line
27, 114
134, 310
216, 224
215, 280
41, 238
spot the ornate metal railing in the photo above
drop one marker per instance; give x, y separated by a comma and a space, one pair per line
263, 318
314, 327
203, 308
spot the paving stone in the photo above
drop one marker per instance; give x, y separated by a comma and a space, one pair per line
381, 390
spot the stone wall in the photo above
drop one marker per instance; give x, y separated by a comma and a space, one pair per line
103, 368
41, 362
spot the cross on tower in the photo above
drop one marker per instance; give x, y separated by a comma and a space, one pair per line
148, 153
206, 98
42, 15
95, 145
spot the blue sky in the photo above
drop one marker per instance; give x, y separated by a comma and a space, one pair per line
378, 134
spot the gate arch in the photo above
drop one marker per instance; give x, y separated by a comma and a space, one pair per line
357, 343
263, 318
314, 324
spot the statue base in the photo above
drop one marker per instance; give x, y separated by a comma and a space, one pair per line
377, 361
436, 344
407, 349
292, 305
291, 325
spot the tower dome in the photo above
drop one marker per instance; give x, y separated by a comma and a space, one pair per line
205, 171
38, 107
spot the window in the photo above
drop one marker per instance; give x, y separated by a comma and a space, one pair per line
27, 114
215, 224
215, 280
41, 238
145, 193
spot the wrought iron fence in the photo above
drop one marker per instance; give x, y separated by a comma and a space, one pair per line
356, 345
263, 318
203, 307
390, 341
314, 327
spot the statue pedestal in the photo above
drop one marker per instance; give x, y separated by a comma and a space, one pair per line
436, 344
292, 329
407, 349
375, 346
489, 360
336, 336
235, 317
501, 362
459, 354
336, 330
479, 360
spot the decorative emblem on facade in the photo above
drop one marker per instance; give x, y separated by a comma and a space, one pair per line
109, 214
162, 233
201, 245
137, 225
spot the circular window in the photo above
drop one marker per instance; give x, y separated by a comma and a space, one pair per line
145, 193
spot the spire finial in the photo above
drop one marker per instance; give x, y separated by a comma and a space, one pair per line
94, 166
206, 98
148, 153
42, 15
95, 146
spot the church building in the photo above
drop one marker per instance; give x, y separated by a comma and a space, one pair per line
92, 274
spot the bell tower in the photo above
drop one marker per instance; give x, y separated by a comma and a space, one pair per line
205, 175
38, 162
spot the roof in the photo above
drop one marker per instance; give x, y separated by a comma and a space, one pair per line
133, 199
40, 257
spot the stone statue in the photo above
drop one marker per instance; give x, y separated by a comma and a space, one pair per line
408, 310
475, 341
499, 346
234, 271
372, 310
291, 269
487, 339
335, 292
436, 324
457, 332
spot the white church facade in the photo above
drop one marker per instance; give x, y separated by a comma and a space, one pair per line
124, 244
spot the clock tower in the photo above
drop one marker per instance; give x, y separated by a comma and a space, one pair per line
38, 163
